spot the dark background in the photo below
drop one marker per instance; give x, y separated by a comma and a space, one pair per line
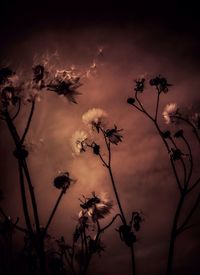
139, 37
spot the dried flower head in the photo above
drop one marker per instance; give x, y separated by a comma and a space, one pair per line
97, 207
139, 85
66, 88
176, 154
63, 181
114, 135
5, 74
170, 110
79, 142
95, 118
161, 83
10, 88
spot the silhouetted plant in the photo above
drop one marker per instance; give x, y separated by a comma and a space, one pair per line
75, 258
96, 120
178, 147
16, 94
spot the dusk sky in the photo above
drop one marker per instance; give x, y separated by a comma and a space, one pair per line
137, 39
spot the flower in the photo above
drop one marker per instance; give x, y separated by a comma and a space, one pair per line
97, 207
139, 85
62, 181
166, 134
10, 88
113, 135
176, 154
161, 83
67, 88
170, 110
178, 134
78, 142
95, 118
5, 74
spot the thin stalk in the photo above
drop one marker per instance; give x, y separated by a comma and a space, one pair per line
54, 210
18, 110
189, 216
174, 234
133, 259
28, 122
190, 124
16, 139
33, 199
24, 201
116, 195
191, 160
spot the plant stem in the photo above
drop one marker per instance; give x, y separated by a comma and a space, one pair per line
24, 201
28, 122
54, 210
116, 195
174, 234
133, 260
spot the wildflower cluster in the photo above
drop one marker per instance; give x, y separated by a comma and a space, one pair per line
96, 120
14, 89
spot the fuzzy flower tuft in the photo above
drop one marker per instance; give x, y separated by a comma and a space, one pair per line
78, 142
95, 118
170, 110
97, 207
114, 135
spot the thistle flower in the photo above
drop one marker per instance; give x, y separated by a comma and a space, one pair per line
67, 88
95, 118
114, 135
62, 181
97, 207
170, 110
78, 142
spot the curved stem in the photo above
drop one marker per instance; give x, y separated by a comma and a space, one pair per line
174, 234
28, 123
23, 163
18, 110
157, 103
189, 216
54, 210
182, 162
191, 160
111, 222
190, 124
194, 185
24, 201
33, 199
116, 195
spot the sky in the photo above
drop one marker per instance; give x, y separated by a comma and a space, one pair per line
142, 38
